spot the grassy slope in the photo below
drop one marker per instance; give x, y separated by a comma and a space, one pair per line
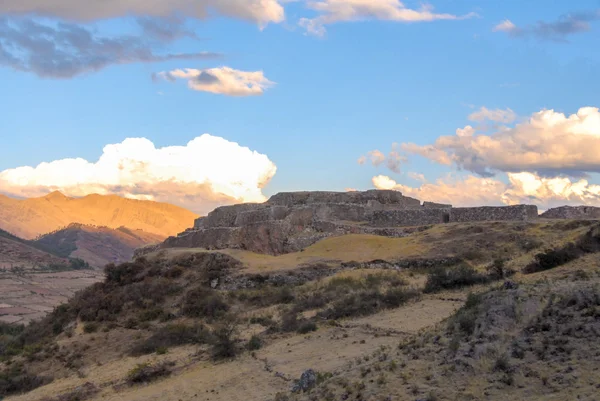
352, 348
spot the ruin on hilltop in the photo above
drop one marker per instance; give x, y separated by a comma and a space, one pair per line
292, 221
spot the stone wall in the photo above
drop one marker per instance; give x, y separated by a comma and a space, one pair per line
491, 213
572, 212
307, 198
408, 217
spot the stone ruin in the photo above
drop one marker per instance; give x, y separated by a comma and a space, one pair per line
292, 221
572, 212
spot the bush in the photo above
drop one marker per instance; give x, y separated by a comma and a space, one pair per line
465, 319
552, 258
146, 372
444, 278
15, 380
368, 302
307, 327
224, 342
204, 303
171, 336
255, 343
90, 327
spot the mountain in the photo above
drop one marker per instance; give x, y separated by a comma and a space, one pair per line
30, 218
97, 245
15, 251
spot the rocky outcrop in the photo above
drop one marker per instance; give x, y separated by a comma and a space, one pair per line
292, 221
572, 212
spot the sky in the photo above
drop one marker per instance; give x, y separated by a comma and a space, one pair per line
208, 102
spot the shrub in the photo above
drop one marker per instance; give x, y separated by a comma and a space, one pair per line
15, 379
172, 335
223, 341
254, 343
307, 327
90, 327
146, 372
368, 302
552, 258
443, 278
465, 319
205, 303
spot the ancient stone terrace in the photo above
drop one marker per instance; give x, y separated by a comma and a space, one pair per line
291, 221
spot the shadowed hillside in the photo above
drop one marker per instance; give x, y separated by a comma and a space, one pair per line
30, 218
97, 245
16, 252
467, 311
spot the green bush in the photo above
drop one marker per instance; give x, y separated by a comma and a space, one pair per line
204, 303
224, 341
445, 278
255, 343
172, 335
90, 327
15, 380
307, 327
146, 372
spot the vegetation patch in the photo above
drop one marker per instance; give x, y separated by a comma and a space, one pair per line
147, 372
15, 379
551, 258
446, 278
173, 335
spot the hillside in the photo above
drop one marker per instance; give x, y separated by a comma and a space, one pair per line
97, 245
16, 252
30, 218
464, 311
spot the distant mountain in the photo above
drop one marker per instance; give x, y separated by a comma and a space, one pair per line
17, 252
30, 218
97, 246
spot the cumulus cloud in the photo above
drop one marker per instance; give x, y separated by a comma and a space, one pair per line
65, 50
392, 161
332, 11
498, 115
554, 31
222, 80
261, 12
207, 172
521, 188
549, 143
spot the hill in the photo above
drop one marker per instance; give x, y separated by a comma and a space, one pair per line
462, 311
291, 221
17, 252
30, 218
97, 246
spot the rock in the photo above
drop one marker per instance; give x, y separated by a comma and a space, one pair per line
307, 381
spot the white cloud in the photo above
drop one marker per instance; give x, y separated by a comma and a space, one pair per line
209, 171
332, 11
505, 26
417, 176
548, 143
261, 12
521, 188
500, 116
223, 80
377, 158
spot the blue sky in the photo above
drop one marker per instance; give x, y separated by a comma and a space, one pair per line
362, 86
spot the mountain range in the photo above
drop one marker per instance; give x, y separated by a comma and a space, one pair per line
98, 229
30, 218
